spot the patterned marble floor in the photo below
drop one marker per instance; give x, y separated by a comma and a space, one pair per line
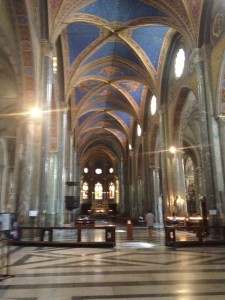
137, 269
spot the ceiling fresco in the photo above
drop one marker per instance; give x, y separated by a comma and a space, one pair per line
113, 52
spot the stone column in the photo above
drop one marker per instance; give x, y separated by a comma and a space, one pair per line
76, 173
77, 190
139, 197
215, 139
221, 126
120, 191
62, 156
52, 183
158, 210
3, 173
179, 184
198, 58
117, 192
130, 203
147, 195
47, 79
198, 181
71, 168
8, 189
11, 190
27, 170
163, 163
70, 189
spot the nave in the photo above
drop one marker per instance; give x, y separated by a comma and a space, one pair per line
137, 269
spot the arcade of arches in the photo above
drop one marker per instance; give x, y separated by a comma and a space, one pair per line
130, 108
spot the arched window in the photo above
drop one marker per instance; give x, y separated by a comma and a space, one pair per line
98, 190
139, 130
153, 105
111, 190
179, 63
85, 189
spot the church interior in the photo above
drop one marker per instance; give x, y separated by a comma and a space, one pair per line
109, 109
112, 108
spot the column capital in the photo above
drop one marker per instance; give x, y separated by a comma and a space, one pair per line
64, 107
154, 168
162, 110
198, 55
47, 48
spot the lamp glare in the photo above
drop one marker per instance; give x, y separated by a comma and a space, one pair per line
35, 112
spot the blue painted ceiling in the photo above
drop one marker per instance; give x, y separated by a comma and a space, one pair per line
113, 50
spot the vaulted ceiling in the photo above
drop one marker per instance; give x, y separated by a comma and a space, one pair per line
113, 53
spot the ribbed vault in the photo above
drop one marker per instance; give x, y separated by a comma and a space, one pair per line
113, 52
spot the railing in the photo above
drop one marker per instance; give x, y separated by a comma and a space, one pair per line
45, 236
4, 257
178, 236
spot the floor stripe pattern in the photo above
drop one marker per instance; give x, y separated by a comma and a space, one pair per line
137, 269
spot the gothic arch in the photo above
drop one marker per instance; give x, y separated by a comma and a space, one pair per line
185, 109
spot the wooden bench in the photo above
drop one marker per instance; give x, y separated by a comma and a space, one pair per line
37, 236
200, 236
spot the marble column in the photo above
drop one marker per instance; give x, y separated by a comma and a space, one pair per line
198, 181
179, 183
147, 195
221, 128
70, 189
130, 205
163, 163
27, 171
8, 163
198, 64
76, 174
139, 197
158, 210
47, 79
3, 173
71, 168
62, 155
215, 140
10, 204
117, 192
52, 183
121, 195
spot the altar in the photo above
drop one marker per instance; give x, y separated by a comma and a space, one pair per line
100, 206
